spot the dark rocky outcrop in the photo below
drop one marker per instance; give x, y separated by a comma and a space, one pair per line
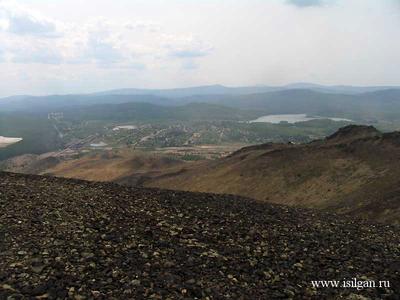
354, 132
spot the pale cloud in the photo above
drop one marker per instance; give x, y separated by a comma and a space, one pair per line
143, 25
19, 20
1, 54
307, 3
187, 47
67, 46
39, 55
100, 41
189, 65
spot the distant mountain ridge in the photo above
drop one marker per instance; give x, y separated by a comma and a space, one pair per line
339, 89
363, 107
176, 96
191, 91
224, 90
371, 106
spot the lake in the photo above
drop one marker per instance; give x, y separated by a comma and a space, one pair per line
125, 127
98, 145
292, 118
7, 141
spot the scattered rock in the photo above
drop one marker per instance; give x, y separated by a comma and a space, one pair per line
104, 241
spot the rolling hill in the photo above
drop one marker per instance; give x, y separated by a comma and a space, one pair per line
45, 104
365, 107
361, 104
354, 171
109, 166
146, 112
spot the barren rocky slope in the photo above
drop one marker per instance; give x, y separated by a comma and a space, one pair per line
355, 171
63, 238
115, 165
108, 165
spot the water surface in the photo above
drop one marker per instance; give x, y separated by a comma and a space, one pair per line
292, 118
7, 141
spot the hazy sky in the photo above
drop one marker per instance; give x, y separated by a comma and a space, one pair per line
70, 46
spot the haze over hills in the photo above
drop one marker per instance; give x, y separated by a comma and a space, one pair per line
338, 89
371, 106
192, 91
224, 90
56, 102
260, 97
149, 112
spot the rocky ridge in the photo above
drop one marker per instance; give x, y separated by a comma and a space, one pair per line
355, 172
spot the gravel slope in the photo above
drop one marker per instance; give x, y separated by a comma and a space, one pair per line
73, 239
